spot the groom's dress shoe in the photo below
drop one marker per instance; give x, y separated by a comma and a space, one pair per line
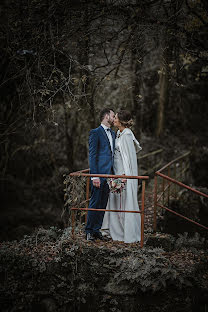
90, 237
98, 235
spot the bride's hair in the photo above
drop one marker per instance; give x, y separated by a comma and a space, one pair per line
125, 118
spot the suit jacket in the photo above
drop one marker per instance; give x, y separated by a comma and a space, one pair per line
100, 154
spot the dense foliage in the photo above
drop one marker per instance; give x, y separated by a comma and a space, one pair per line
50, 264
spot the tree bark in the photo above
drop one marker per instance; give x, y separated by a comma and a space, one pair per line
136, 94
163, 89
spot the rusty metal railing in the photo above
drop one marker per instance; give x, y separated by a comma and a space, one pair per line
170, 186
83, 173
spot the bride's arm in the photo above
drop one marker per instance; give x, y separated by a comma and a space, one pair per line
128, 154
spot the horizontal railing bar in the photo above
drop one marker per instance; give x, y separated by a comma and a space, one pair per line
178, 214
178, 176
173, 161
108, 176
110, 210
181, 184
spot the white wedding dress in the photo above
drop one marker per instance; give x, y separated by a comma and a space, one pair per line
122, 226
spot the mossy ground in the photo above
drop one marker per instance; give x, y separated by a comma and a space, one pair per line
51, 271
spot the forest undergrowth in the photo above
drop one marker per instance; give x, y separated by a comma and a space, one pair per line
50, 264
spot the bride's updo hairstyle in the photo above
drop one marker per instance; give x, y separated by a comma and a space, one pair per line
125, 118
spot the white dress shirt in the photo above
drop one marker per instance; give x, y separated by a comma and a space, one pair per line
110, 140
108, 135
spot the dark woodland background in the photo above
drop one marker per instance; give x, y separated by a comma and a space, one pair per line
62, 61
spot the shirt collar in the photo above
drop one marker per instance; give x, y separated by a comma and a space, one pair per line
104, 126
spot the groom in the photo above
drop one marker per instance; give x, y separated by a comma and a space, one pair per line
101, 150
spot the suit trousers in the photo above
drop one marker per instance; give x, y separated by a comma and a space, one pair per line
98, 200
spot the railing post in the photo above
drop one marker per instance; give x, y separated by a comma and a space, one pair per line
155, 205
87, 196
142, 213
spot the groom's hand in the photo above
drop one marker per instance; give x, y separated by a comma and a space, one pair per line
96, 182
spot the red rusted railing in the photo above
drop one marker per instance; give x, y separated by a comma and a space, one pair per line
178, 167
84, 173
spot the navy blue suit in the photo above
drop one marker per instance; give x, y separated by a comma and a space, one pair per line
101, 162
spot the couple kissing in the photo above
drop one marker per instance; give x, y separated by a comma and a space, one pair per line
113, 153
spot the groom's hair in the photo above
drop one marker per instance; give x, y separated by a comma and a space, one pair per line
103, 112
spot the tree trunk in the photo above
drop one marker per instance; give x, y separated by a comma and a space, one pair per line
86, 101
163, 90
136, 95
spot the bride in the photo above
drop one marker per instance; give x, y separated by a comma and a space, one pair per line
124, 227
